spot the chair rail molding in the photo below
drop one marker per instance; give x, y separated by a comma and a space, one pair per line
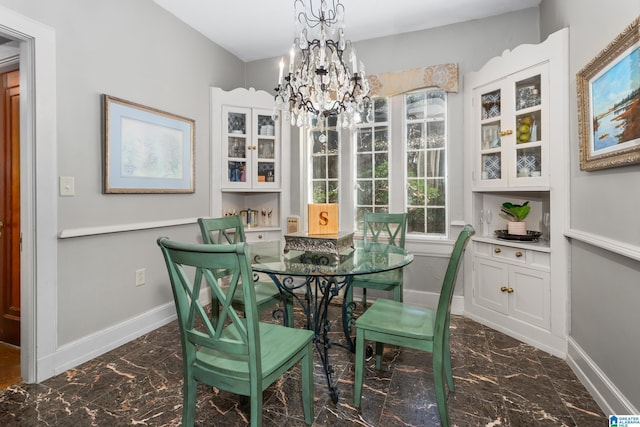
621, 248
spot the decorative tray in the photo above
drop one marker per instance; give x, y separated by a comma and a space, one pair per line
531, 236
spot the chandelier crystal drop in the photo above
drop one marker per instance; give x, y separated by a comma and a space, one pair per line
319, 83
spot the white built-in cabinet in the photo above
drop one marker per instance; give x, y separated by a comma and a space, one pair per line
516, 150
247, 159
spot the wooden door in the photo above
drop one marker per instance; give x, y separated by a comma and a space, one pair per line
10, 207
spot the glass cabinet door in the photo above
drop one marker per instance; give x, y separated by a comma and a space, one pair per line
265, 152
528, 129
492, 159
512, 127
237, 140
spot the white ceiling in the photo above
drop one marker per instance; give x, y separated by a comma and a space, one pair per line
258, 29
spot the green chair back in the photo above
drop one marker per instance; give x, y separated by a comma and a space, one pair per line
388, 228
443, 313
234, 353
396, 323
228, 229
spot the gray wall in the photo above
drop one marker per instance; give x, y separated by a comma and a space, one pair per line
605, 286
136, 51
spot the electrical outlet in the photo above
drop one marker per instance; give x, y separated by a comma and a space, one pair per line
140, 276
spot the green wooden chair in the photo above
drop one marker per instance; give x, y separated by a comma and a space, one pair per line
240, 355
400, 324
229, 230
381, 227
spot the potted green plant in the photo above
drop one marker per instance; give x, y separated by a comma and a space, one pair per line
516, 215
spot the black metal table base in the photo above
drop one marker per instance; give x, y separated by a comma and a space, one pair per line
315, 298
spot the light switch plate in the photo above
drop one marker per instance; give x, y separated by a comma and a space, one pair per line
67, 186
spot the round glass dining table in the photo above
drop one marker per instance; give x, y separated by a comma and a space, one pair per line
313, 279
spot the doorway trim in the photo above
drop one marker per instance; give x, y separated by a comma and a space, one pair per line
38, 195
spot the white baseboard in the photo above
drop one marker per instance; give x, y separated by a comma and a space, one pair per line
603, 390
82, 350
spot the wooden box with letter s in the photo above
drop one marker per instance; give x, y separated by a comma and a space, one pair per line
323, 218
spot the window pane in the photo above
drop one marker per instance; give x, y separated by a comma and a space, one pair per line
382, 138
364, 139
365, 193
435, 192
319, 167
333, 192
415, 136
319, 192
360, 217
415, 220
382, 165
415, 192
413, 157
332, 142
364, 166
415, 105
319, 143
436, 221
382, 192
381, 110
435, 163
435, 134
333, 165
436, 106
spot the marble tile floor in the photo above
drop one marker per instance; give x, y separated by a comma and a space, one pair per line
499, 382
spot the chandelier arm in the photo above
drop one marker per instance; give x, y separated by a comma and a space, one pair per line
330, 17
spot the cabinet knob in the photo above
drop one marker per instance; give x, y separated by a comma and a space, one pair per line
260, 236
497, 250
506, 289
506, 132
518, 254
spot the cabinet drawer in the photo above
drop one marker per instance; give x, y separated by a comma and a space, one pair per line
261, 235
509, 253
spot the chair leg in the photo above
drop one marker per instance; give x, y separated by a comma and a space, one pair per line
441, 392
289, 309
364, 299
359, 376
397, 293
447, 363
256, 410
379, 353
307, 385
189, 391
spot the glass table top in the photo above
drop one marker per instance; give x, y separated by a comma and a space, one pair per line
362, 259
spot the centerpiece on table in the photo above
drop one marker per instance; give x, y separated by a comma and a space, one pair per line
516, 214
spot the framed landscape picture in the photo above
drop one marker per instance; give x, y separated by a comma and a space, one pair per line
609, 104
146, 150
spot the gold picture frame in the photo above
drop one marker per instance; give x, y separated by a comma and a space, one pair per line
609, 104
146, 150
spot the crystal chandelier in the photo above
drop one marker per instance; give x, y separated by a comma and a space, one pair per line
321, 84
